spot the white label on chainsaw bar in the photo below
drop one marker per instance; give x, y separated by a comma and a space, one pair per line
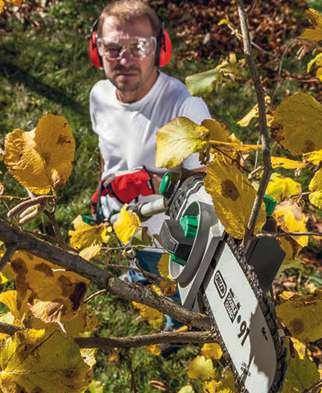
242, 324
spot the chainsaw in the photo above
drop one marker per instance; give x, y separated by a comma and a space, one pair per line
214, 276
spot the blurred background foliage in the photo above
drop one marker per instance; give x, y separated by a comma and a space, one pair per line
44, 68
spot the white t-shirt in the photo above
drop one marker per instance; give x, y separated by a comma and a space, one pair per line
127, 132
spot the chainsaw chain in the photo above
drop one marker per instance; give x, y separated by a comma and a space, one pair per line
268, 309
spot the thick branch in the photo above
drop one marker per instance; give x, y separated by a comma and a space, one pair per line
262, 122
141, 294
139, 341
70, 260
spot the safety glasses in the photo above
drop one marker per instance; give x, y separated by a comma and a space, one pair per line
114, 48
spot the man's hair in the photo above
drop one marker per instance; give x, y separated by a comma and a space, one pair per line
126, 11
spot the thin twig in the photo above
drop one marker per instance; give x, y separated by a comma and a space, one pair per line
6, 328
314, 388
95, 294
55, 226
289, 45
282, 234
262, 124
12, 197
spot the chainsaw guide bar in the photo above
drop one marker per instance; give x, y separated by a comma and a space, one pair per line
214, 276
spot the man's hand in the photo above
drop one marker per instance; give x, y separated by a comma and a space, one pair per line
156, 180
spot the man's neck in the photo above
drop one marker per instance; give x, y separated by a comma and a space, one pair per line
129, 97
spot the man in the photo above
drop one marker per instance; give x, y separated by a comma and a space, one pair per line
136, 99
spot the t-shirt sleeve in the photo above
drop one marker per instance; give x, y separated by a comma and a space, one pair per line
91, 110
195, 109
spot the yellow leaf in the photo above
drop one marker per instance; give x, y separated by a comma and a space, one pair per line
315, 33
217, 131
286, 295
290, 218
163, 266
302, 315
223, 21
149, 314
300, 375
39, 279
91, 251
233, 196
25, 163
224, 384
2, 6
3, 279
297, 124
89, 356
314, 157
154, 349
290, 247
280, 187
252, 114
316, 62
186, 389
41, 159
177, 140
315, 199
315, 186
126, 225
205, 82
201, 368
34, 361
282, 162
202, 83
212, 350
168, 287
18, 310
6, 318
114, 356
316, 181
300, 348
85, 235
95, 387
48, 312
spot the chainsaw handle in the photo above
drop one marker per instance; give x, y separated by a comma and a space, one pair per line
148, 209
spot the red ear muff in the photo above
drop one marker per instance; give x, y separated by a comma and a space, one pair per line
93, 51
165, 49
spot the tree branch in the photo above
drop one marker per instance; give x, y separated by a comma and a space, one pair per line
6, 328
104, 343
70, 260
262, 123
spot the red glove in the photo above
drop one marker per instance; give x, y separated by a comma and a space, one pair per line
124, 187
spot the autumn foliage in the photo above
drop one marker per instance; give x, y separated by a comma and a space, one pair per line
47, 310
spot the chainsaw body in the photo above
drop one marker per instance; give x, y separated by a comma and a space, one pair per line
214, 276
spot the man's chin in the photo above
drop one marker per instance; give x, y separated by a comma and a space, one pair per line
126, 86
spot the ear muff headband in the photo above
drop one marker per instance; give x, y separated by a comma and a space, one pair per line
163, 53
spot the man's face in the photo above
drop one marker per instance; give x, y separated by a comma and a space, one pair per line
133, 76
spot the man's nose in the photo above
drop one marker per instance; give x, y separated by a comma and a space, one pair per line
125, 56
